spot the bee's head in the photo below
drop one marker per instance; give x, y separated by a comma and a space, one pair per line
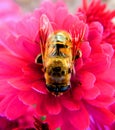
57, 89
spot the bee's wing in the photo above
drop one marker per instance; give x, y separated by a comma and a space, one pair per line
78, 31
45, 28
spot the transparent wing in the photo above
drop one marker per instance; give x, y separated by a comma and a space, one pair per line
45, 28
78, 31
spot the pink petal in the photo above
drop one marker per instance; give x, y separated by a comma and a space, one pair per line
27, 27
4, 103
21, 83
30, 98
80, 119
86, 49
78, 64
5, 88
102, 101
15, 108
70, 104
8, 71
40, 86
87, 80
105, 88
67, 125
108, 49
95, 34
108, 75
61, 11
107, 117
54, 121
50, 107
77, 93
67, 22
91, 93
22, 47
100, 62
33, 71
6, 57
49, 9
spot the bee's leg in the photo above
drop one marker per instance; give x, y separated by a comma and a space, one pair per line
79, 54
38, 59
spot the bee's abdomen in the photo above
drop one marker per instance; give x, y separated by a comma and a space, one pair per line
56, 72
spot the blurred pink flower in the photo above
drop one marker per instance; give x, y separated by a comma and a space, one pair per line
22, 81
9, 11
21, 123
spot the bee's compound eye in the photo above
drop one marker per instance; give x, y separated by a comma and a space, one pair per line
57, 88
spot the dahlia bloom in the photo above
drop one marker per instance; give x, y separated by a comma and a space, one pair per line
87, 105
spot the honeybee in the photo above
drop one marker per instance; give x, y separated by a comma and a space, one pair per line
59, 50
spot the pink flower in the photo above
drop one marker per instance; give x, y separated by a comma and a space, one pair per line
85, 105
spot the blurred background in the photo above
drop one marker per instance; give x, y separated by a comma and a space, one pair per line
29, 5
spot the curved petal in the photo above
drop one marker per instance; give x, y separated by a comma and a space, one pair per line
20, 83
102, 101
105, 88
6, 89
60, 12
12, 111
4, 103
52, 105
86, 49
95, 34
91, 94
70, 104
40, 87
9, 71
107, 116
21, 47
30, 98
98, 64
80, 119
87, 80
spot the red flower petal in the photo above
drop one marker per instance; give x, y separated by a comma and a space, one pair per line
108, 49
20, 83
13, 110
98, 64
102, 115
33, 71
27, 27
79, 64
4, 103
54, 121
52, 105
39, 86
67, 23
80, 119
109, 75
48, 8
95, 34
23, 47
30, 98
63, 11
91, 93
105, 88
70, 104
8, 71
6, 89
87, 80
102, 101
86, 49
